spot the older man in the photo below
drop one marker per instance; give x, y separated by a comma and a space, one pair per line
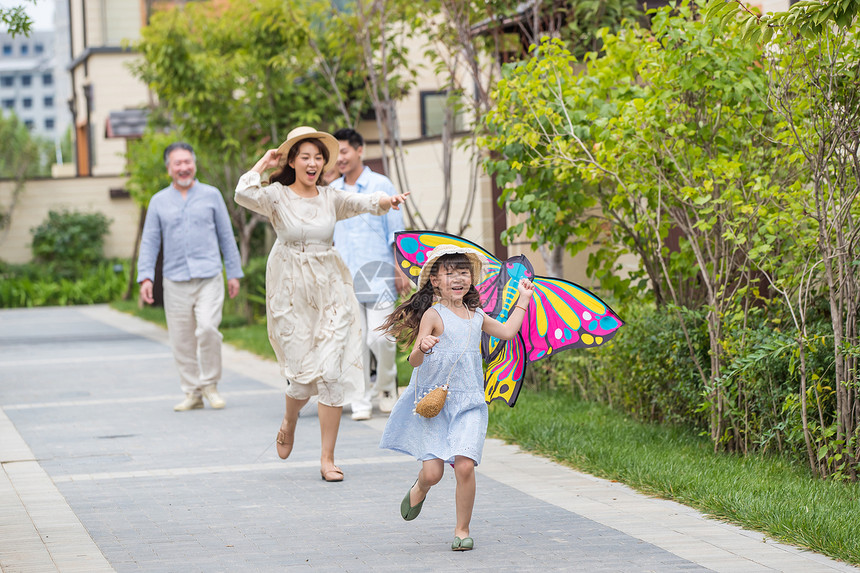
190, 220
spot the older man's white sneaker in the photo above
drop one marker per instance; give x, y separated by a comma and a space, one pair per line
214, 398
191, 402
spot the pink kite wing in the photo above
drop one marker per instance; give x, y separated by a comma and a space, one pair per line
563, 315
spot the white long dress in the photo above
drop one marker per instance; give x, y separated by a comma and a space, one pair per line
311, 308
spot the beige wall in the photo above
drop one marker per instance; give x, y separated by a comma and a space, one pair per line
109, 22
85, 194
114, 89
772, 5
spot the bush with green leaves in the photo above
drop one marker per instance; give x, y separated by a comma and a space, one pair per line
250, 304
34, 285
647, 371
70, 242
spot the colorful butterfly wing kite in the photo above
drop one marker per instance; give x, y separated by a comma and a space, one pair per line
560, 315
565, 315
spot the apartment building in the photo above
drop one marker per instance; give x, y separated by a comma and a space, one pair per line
30, 83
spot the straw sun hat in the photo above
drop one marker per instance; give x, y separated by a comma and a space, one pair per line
475, 258
305, 132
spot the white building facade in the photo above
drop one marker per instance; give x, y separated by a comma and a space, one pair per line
29, 82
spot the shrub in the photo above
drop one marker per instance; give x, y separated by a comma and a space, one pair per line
36, 285
647, 371
250, 305
70, 242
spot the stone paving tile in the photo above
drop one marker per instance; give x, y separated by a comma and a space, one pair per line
88, 395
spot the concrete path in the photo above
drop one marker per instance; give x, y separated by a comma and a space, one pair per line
99, 474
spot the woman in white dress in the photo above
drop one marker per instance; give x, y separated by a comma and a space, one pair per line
311, 308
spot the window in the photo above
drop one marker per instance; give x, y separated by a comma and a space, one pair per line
48, 101
7, 49
28, 123
25, 49
39, 49
27, 103
8, 104
49, 123
433, 106
7, 81
26, 80
47, 79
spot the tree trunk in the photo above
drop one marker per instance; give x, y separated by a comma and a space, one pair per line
132, 273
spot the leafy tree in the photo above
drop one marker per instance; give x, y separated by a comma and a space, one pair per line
15, 19
815, 63
21, 157
468, 65
664, 130
232, 76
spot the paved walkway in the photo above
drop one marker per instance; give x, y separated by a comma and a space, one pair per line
99, 474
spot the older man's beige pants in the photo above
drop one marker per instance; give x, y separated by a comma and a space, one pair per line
193, 311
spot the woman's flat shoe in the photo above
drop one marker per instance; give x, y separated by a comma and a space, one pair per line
283, 446
465, 544
407, 511
332, 475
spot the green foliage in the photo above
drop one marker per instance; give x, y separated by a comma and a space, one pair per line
234, 75
667, 130
70, 242
251, 300
809, 18
15, 19
147, 173
814, 69
38, 285
646, 370
22, 155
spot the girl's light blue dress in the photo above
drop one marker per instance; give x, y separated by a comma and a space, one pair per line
460, 428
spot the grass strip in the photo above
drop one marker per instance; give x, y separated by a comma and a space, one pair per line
760, 492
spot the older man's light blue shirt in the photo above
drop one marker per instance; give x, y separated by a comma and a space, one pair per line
366, 242
196, 231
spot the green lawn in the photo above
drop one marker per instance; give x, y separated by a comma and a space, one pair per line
764, 493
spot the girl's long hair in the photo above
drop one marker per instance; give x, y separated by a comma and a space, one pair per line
287, 175
403, 323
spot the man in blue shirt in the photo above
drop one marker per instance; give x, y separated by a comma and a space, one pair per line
190, 220
366, 244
